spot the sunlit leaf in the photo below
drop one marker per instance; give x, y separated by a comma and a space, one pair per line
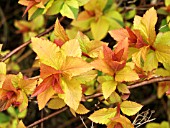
126, 74
108, 87
3, 68
72, 93
82, 109
56, 103
47, 52
103, 116
130, 108
44, 97
60, 32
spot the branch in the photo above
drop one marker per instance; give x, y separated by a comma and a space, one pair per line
153, 80
47, 117
28, 42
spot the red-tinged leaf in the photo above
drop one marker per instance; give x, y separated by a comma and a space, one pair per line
120, 122
44, 97
132, 37
29, 6
58, 42
60, 32
46, 71
56, 83
168, 92
44, 85
119, 34
102, 66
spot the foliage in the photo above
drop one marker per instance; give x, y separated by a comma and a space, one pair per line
73, 66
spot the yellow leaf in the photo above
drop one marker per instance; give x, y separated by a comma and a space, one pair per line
2, 79
72, 93
47, 52
114, 98
103, 116
75, 66
3, 68
123, 88
130, 108
21, 124
56, 103
151, 62
140, 56
108, 87
126, 74
44, 97
162, 88
82, 109
60, 32
72, 48
146, 25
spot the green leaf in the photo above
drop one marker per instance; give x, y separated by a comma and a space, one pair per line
103, 116
3, 68
130, 108
38, 12
82, 2
100, 28
4, 118
70, 9
47, 52
72, 93
22, 114
11, 110
162, 72
108, 87
151, 62
48, 6
167, 2
55, 8
126, 74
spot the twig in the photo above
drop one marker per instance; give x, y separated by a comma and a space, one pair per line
83, 122
153, 80
28, 42
47, 117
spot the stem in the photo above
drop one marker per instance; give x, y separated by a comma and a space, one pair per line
47, 117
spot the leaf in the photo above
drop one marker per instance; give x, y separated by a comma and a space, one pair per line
151, 62
101, 65
114, 98
44, 97
140, 56
108, 87
70, 9
82, 109
55, 7
28, 86
75, 66
82, 2
72, 48
126, 74
47, 52
24, 103
123, 88
163, 87
124, 121
56, 103
60, 32
72, 93
103, 116
130, 108
99, 29
21, 124
146, 25
162, 46
3, 68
